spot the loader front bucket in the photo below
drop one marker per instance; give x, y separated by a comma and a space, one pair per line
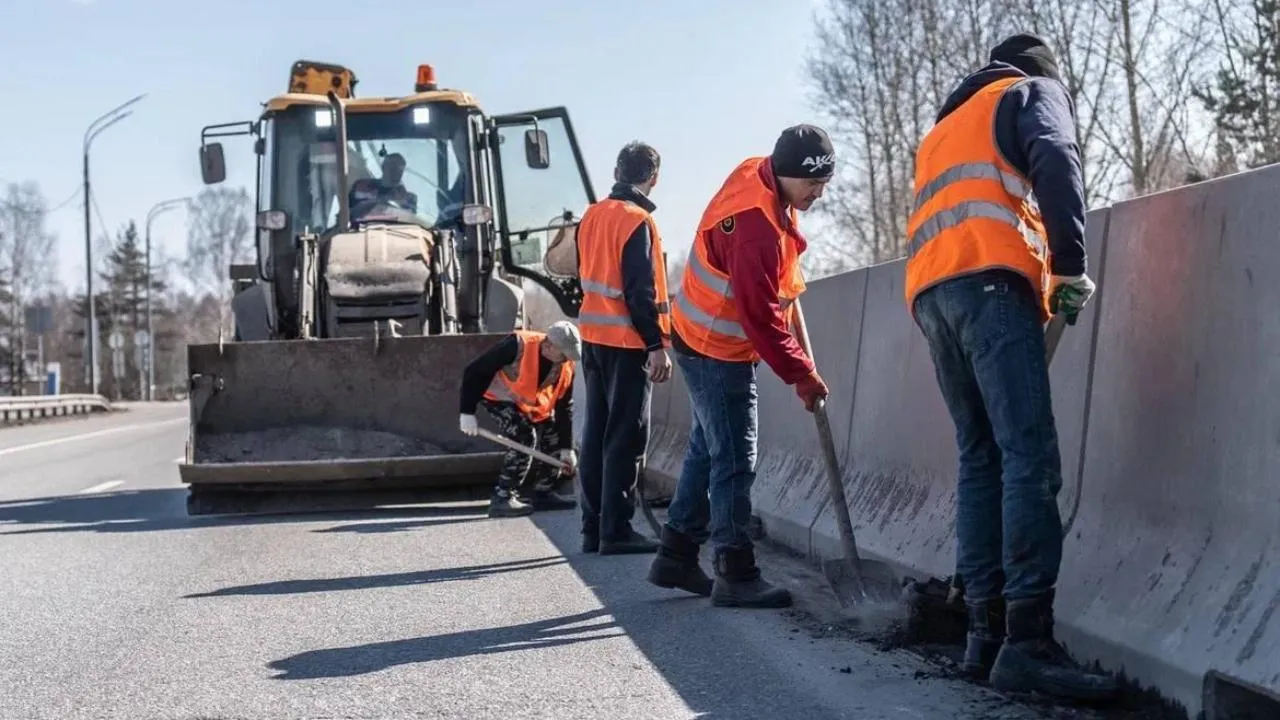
321, 423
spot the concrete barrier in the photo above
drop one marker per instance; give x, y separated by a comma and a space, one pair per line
1171, 570
1165, 398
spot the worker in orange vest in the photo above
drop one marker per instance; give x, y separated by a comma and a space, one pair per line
525, 382
732, 310
986, 268
625, 323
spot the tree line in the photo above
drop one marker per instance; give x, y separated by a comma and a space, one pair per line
1167, 92
41, 321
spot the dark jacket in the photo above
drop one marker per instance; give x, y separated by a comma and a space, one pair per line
1036, 132
638, 284
480, 373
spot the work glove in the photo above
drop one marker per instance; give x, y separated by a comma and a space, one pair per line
811, 390
569, 458
658, 366
1069, 295
467, 424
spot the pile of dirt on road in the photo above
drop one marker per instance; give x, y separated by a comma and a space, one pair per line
309, 443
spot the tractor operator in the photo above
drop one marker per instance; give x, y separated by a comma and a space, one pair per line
367, 193
525, 383
732, 310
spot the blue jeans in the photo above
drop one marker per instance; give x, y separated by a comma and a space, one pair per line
987, 344
714, 490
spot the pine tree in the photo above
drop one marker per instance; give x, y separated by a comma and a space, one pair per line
1245, 95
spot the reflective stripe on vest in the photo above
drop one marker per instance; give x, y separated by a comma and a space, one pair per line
972, 210
704, 313
517, 382
604, 318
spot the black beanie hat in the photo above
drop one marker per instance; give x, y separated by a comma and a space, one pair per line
1029, 54
804, 151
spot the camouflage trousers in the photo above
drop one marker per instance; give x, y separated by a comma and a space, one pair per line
522, 474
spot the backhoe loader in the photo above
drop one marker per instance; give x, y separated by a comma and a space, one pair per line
393, 238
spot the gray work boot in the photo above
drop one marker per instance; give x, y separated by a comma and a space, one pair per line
738, 582
986, 633
1031, 660
676, 565
503, 504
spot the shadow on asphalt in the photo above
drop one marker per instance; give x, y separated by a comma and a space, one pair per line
165, 509
374, 657
368, 582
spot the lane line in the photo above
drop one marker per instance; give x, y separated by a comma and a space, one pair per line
86, 436
102, 487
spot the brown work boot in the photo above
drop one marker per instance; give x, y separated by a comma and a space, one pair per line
738, 582
676, 565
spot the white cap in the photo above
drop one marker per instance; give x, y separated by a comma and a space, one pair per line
564, 335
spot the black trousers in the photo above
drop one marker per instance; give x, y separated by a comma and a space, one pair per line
615, 436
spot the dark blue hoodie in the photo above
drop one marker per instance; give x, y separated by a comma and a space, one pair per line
1035, 130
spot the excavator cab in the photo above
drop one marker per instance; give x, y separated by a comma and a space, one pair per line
393, 236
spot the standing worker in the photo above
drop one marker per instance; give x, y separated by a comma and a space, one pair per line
525, 382
734, 308
625, 321
980, 283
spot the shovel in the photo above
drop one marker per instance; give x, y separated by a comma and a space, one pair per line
852, 581
531, 452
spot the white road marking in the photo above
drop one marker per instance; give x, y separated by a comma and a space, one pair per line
102, 487
86, 436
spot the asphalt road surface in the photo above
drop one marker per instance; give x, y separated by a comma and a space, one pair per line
115, 604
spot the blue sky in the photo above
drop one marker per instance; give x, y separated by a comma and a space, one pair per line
707, 82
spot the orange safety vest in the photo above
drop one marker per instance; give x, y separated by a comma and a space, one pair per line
518, 382
973, 210
603, 318
703, 313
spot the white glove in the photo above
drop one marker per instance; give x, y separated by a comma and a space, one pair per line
467, 424
1069, 295
568, 457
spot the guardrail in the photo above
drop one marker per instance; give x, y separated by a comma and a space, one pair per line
15, 409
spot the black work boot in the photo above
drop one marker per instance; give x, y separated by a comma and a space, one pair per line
738, 582
677, 564
503, 504
986, 632
1031, 660
543, 500
632, 543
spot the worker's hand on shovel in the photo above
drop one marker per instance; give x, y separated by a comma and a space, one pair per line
467, 424
658, 366
1069, 295
570, 460
811, 390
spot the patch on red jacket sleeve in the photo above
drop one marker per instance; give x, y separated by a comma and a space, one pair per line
727, 225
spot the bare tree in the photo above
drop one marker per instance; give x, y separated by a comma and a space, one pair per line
1159, 50
218, 236
27, 262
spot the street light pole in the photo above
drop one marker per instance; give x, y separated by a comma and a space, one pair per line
102, 122
156, 209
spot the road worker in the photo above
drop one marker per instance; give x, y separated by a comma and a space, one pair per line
626, 325
733, 309
525, 383
985, 269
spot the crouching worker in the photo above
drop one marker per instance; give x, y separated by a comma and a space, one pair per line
525, 383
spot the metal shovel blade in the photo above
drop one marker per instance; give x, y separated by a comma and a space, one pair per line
853, 580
